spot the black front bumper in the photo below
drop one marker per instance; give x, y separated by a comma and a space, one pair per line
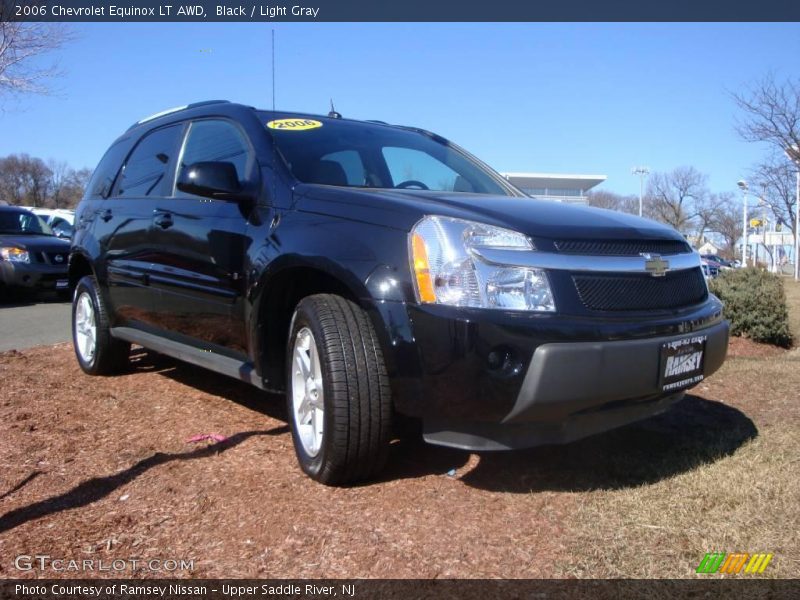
488, 380
572, 390
34, 276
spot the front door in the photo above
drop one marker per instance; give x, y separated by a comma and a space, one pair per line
199, 247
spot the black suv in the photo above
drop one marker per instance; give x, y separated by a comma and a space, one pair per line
32, 258
368, 270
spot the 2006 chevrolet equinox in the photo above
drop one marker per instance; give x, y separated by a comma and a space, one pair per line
367, 270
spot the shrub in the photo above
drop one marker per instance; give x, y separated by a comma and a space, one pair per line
755, 304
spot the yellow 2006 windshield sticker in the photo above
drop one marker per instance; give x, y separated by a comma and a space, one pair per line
294, 124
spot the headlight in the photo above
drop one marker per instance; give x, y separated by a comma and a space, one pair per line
14, 254
447, 269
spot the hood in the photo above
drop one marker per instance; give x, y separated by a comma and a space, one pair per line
402, 209
35, 242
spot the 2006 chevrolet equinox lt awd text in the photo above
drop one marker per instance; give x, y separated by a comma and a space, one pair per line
370, 270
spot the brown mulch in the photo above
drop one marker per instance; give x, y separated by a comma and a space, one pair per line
100, 468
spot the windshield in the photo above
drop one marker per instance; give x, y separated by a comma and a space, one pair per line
23, 222
353, 154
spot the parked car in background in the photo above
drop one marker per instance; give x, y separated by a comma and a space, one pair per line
723, 264
31, 256
710, 268
60, 220
367, 270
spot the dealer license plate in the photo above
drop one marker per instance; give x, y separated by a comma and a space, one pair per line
62, 284
682, 363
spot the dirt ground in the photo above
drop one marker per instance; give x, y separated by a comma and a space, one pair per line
101, 468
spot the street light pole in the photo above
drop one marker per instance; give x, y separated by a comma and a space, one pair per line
793, 153
797, 224
743, 186
642, 172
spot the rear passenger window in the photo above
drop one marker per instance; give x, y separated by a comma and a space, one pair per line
106, 172
145, 172
217, 141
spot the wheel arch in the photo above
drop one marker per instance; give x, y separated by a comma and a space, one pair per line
79, 266
277, 294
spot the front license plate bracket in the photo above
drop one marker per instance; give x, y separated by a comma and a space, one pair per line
681, 363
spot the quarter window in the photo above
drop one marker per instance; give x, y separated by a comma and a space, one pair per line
145, 171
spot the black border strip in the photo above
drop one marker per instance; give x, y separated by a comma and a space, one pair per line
741, 588
405, 10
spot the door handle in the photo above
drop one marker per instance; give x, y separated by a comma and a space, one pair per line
163, 220
107, 215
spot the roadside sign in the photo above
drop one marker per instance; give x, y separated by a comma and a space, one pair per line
779, 238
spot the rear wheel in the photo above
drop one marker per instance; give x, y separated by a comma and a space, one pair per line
97, 352
338, 394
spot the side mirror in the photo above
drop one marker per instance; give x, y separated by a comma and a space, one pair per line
64, 233
217, 180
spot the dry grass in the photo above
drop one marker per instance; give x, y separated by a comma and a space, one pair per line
792, 289
745, 499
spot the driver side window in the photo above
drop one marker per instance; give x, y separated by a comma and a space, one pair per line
216, 141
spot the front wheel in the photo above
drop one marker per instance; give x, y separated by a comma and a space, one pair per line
338, 393
97, 352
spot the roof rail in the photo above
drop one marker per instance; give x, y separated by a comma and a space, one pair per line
177, 109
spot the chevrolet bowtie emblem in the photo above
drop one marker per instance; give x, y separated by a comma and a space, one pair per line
654, 264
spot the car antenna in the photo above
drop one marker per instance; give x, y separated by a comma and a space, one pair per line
333, 114
273, 70
274, 147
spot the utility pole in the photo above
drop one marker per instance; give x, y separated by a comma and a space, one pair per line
642, 172
743, 186
793, 152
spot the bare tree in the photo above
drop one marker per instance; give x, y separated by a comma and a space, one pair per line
707, 209
28, 181
728, 222
677, 198
24, 180
771, 113
60, 173
22, 46
75, 186
12, 180
775, 177
612, 201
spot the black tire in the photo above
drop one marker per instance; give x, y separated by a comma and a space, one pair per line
357, 398
110, 355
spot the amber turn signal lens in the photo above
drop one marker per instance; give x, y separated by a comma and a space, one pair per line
422, 269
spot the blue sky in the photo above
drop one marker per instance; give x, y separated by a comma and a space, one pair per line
576, 98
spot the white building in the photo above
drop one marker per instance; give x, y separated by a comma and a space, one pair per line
561, 187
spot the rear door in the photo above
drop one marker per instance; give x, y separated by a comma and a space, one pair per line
122, 223
199, 246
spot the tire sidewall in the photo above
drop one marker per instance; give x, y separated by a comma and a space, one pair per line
85, 285
303, 317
